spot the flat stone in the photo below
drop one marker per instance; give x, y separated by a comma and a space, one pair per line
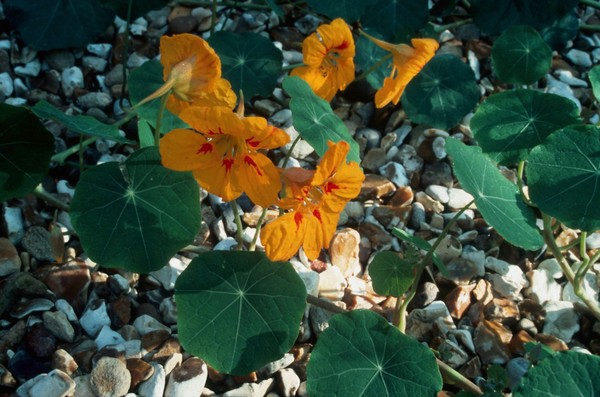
24, 309
37, 242
107, 337
276, 365
459, 300
94, 100
289, 382
110, 378
437, 192
375, 186
543, 287
63, 361
167, 275
420, 321
373, 160
319, 317
145, 324
561, 320
140, 371
458, 198
83, 387
344, 250
71, 78
251, 389
449, 249
69, 282
95, 317
188, 379
395, 172
54, 384
155, 385
332, 283
579, 58
58, 324
491, 342
510, 284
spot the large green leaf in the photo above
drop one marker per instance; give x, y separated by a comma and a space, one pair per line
238, 310
25, 151
367, 55
496, 197
521, 56
314, 119
49, 24
391, 275
396, 20
349, 10
509, 124
561, 31
249, 61
360, 354
138, 7
79, 123
143, 81
594, 76
442, 93
563, 175
566, 373
135, 215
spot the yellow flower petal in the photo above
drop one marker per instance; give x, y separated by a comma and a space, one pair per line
259, 178
185, 150
283, 236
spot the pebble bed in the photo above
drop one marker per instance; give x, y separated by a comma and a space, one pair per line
76, 328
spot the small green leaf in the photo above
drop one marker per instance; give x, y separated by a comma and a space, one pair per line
315, 121
145, 134
563, 175
360, 354
50, 24
82, 124
143, 81
442, 93
238, 310
496, 197
349, 10
594, 76
521, 56
25, 151
139, 8
566, 373
367, 55
561, 31
391, 275
250, 62
509, 124
276, 9
135, 215
396, 21
422, 245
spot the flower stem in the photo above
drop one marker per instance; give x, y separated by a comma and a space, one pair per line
374, 67
591, 3
520, 172
213, 17
159, 118
455, 24
585, 26
289, 152
125, 52
292, 66
238, 225
261, 219
50, 199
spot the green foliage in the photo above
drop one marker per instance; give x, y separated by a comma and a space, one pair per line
238, 310
563, 175
421, 244
496, 197
143, 81
594, 76
135, 215
25, 151
315, 121
558, 34
360, 354
367, 55
82, 124
566, 373
397, 20
249, 61
391, 275
442, 93
521, 56
50, 24
138, 7
145, 134
349, 10
509, 124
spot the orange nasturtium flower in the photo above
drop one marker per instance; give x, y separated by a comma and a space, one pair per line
407, 63
316, 199
222, 153
328, 55
192, 74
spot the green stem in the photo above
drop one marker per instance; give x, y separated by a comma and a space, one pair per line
447, 372
456, 24
261, 219
125, 53
289, 152
159, 118
238, 225
520, 173
374, 67
292, 66
585, 263
50, 199
591, 3
213, 17
204, 3
194, 249
585, 26
80, 154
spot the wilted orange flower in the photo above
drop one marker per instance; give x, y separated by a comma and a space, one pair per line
407, 63
192, 74
316, 199
223, 153
328, 55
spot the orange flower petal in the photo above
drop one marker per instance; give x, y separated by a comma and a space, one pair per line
264, 136
220, 178
313, 240
213, 121
259, 178
330, 162
216, 93
283, 237
185, 150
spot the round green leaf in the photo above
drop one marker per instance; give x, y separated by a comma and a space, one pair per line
561, 31
249, 61
138, 7
50, 24
521, 56
238, 310
143, 81
25, 151
360, 354
315, 121
566, 373
496, 197
391, 275
509, 124
396, 20
135, 215
367, 55
349, 10
563, 175
442, 93
594, 76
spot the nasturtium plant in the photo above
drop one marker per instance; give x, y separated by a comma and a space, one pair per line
361, 354
561, 31
496, 197
138, 7
349, 10
578, 376
563, 176
315, 121
135, 215
25, 151
423, 245
143, 81
391, 274
396, 21
509, 124
250, 62
368, 54
442, 93
82, 124
145, 134
594, 77
238, 310
521, 56
50, 24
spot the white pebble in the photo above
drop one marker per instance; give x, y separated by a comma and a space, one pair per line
6, 84
579, 58
31, 69
71, 78
100, 49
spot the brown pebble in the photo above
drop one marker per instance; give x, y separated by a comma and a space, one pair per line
459, 300
63, 361
40, 341
375, 186
139, 370
552, 342
183, 24
154, 339
517, 343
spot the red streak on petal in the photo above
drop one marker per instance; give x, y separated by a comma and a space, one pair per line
205, 148
228, 163
317, 215
298, 219
252, 143
330, 186
248, 160
343, 46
